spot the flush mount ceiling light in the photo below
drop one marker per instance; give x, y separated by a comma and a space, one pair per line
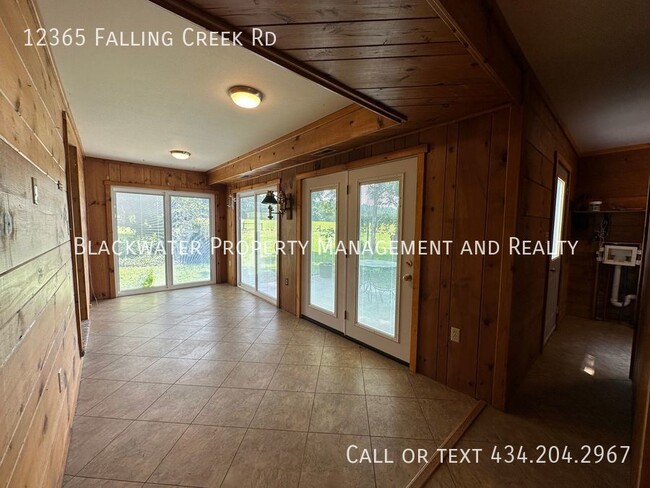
178, 154
245, 96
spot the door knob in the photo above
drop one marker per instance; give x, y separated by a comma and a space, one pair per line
407, 277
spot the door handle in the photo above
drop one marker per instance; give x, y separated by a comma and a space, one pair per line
407, 277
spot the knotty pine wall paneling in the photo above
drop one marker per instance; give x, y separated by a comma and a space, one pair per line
465, 178
101, 174
38, 335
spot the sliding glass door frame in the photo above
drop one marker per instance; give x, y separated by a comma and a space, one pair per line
167, 218
259, 209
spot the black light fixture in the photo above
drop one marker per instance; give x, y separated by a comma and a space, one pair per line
282, 201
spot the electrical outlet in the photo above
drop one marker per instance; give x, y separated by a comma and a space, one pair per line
286, 282
455, 334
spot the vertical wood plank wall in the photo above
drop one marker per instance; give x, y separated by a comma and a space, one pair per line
542, 138
464, 199
38, 335
100, 174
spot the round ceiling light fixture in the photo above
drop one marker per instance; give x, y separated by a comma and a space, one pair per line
245, 96
178, 154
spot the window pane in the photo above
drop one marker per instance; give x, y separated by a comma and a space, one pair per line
141, 236
322, 286
559, 217
247, 238
190, 229
267, 263
377, 273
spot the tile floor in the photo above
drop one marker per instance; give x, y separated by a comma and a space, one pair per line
211, 386
559, 404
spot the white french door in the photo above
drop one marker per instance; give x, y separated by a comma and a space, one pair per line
365, 292
164, 239
257, 263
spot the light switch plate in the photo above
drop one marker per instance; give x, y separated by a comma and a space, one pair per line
455, 334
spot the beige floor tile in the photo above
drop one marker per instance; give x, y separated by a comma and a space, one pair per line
201, 457
396, 417
264, 353
335, 340
250, 375
89, 437
92, 391
79, 482
121, 345
92, 363
275, 336
295, 377
129, 401
125, 368
166, 370
136, 452
371, 359
326, 462
97, 341
339, 414
284, 410
308, 338
267, 458
342, 357
340, 380
195, 321
156, 347
302, 355
443, 416
210, 334
191, 349
207, 373
230, 407
427, 388
404, 454
227, 351
150, 330
179, 404
387, 382
242, 335
441, 478
179, 332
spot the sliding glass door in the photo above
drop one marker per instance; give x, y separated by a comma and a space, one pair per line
257, 261
163, 239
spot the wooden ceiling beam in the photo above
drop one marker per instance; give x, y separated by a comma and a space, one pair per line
212, 23
478, 31
345, 126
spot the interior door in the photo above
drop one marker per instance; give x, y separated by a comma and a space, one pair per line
324, 213
555, 261
367, 291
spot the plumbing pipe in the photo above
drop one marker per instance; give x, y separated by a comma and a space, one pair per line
615, 288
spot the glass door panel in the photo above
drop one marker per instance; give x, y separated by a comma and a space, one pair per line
139, 228
247, 238
267, 260
378, 227
322, 256
191, 231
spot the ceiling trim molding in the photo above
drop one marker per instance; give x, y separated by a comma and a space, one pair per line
477, 30
216, 24
302, 145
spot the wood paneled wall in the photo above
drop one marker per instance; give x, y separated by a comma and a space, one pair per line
101, 174
39, 356
467, 171
543, 138
618, 179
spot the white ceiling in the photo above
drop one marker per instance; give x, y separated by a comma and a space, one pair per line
591, 57
136, 103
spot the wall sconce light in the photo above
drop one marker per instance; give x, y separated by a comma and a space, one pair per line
282, 201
